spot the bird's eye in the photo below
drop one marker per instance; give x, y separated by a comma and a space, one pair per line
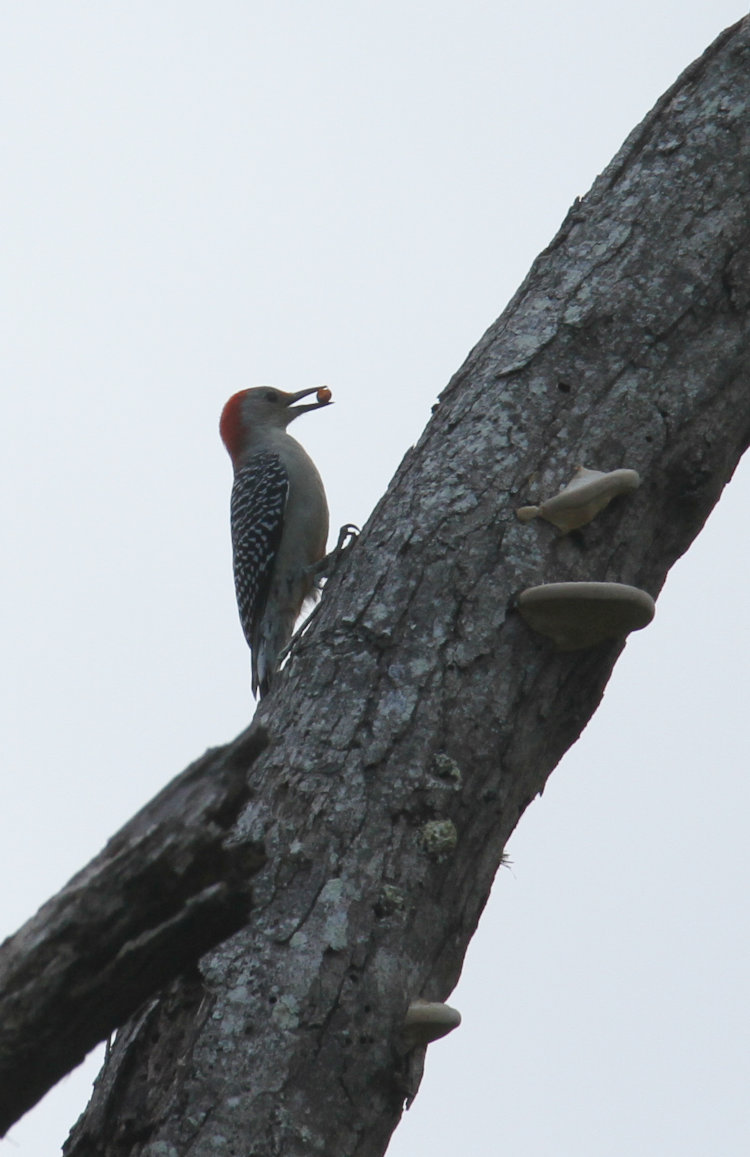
271, 396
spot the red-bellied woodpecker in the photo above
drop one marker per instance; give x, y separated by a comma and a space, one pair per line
279, 519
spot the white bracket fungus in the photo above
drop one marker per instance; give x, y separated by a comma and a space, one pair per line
580, 614
428, 1020
587, 493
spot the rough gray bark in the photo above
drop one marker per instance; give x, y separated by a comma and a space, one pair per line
420, 716
167, 888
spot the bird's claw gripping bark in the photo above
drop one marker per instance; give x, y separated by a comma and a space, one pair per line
348, 535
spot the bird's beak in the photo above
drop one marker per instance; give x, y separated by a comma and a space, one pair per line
316, 405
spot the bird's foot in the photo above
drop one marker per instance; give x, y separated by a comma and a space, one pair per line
348, 535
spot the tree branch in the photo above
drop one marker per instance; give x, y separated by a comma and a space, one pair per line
167, 888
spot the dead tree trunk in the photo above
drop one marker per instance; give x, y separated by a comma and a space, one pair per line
421, 715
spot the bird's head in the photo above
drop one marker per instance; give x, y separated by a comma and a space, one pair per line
249, 414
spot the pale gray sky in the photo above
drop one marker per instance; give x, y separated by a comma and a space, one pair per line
198, 198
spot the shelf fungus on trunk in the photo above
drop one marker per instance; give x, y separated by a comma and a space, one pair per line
587, 493
577, 615
428, 1020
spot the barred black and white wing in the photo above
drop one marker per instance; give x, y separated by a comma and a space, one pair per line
259, 497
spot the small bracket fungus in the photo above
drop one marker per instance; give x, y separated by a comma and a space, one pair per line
428, 1020
579, 615
587, 493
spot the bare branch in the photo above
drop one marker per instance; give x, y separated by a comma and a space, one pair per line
167, 888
